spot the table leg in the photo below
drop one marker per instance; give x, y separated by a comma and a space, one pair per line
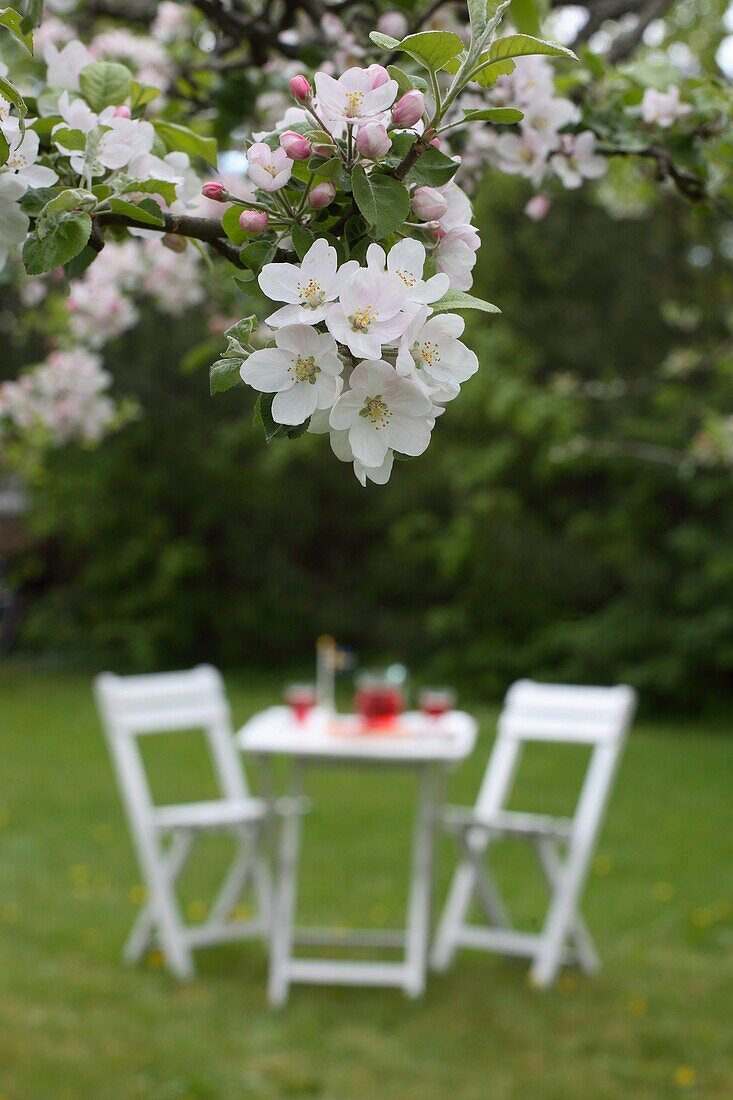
285, 897
421, 882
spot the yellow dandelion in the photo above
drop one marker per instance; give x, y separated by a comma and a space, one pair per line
701, 918
602, 864
240, 913
11, 912
138, 894
196, 911
155, 959
663, 891
685, 1076
80, 874
637, 1007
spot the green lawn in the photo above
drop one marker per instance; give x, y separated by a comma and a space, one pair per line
75, 1024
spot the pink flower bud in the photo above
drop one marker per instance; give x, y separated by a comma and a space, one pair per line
408, 109
378, 75
123, 111
253, 221
300, 89
428, 204
322, 195
215, 190
373, 141
295, 145
436, 142
537, 207
393, 23
174, 243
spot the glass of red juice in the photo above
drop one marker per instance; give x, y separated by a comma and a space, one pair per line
435, 702
301, 698
378, 702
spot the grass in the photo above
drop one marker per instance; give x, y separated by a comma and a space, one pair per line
75, 1024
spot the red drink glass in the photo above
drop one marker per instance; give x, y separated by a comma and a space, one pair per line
301, 698
378, 702
435, 702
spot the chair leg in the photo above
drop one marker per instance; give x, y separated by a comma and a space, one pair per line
284, 902
561, 918
484, 884
421, 885
239, 872
161, 871
142, 933
585, 950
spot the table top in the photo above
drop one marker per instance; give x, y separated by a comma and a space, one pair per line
414, 739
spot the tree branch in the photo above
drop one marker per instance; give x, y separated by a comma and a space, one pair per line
208, 230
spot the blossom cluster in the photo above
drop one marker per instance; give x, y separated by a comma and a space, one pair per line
63, 399
358, 352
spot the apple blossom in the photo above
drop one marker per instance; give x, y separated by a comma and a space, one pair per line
378, 75
21, 162
393, 23
308, 288
431, 352
383, 411
300, 88
373, 141
268, 169
537, 207
13, 222
406, 260
663, 108
428, 204
303, 370
352, 98
295, 145
123, 111
408, 109
254, 221
578, 160
64, 65
523, 154
455, 255
371, 311
321, 195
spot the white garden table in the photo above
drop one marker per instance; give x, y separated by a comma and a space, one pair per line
428, 746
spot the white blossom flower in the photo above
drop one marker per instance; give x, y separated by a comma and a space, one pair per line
545, 117
578, 160
406, 260
431, 353
78, 115
171, 22
455, 255
303, 371
308, 288
383, 411
121, 140
663, 108
269, 169
64, 65
13, 222
371, 311
523, 154
21, 162
339, 439
351, 98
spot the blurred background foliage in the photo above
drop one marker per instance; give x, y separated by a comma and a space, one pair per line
555, 528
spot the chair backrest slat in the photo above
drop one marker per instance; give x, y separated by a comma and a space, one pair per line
558, 713
134, 706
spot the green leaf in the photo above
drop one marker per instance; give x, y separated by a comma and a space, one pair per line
224, 375
105, 83
73, 140
384, 41
73, 198
164, 188
432, 49
524, 45
63, 240
148, 212
33, 15
231, 226
478, 16
33, 202
302, 239
4, 149
245, 326
142, 94
488, 75
383, 200
433, 169
526, 16
504, 116
180, 139
458, 299
273, 430
406, 81
10, 92
76, 267
257, 254
242, 278
13, 21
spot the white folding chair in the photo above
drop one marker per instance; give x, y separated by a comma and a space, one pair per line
596, 716
132, 706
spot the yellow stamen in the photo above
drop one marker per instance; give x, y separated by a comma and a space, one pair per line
361, 319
